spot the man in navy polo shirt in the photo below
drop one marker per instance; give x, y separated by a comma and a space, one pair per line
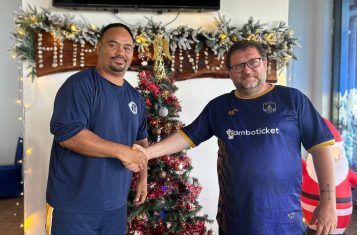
97, 117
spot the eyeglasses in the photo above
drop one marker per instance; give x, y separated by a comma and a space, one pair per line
253, 63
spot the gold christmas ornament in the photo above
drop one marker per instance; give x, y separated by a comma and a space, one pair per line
179, 167
168, 125
162, 174
166, 94
142, 216
168, 128
157, 130
179, 125
161, 50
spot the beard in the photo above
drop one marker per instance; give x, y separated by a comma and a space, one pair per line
250, 87
115, 67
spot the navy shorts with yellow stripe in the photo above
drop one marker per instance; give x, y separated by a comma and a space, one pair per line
59, 222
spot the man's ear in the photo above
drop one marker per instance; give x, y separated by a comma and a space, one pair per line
97, 47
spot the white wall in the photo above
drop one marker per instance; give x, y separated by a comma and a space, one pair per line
193, 94
312, 21
10, 126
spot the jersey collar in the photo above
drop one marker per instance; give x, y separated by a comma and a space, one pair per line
236, 93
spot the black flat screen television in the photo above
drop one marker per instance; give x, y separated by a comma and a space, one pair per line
183, 5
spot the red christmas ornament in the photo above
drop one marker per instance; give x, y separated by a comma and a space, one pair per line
154, 122
148, 102
145, 74
189, 206
182, 204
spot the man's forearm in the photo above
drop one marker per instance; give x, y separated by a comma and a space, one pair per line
88, 143
171, 144
325, 172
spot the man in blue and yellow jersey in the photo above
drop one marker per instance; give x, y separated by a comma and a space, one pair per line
260, 128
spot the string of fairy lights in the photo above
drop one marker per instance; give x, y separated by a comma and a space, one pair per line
19, 101
21, 118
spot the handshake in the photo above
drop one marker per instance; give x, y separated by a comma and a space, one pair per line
137, 158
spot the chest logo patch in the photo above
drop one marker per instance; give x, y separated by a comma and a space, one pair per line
232, 112
269, 107
133, 107
291, 215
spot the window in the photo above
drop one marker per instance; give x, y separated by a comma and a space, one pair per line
345, 76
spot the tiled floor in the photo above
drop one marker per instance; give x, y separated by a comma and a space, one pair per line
10, 224
11, 216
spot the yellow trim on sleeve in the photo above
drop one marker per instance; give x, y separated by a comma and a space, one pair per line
49, 213
330, 142
187, 138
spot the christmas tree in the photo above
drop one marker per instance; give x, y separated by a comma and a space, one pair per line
171, 206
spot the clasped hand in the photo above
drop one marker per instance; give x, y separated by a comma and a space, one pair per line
138, 159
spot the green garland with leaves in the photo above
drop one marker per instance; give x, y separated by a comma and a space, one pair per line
279, 41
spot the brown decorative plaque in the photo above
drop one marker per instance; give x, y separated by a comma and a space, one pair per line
53, 56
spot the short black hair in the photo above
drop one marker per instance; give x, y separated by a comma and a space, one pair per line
115, 25
242, 45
